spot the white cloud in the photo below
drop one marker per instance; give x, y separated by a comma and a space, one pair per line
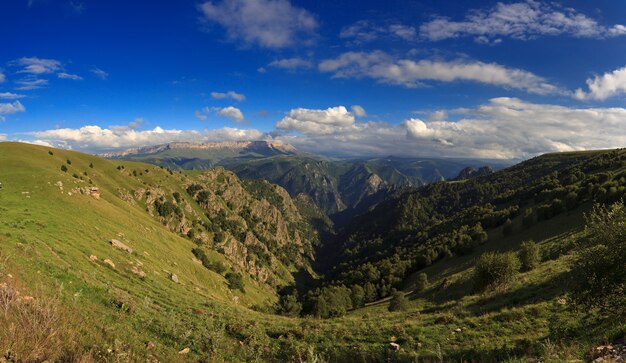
10, 108
10, 96
521, 20
316, 122
2, 77
384, 68
231, 112
30, 83
358, 111
438, 115
503, 128
201, 116
291, 63
267, 23
99, 73
230, 94
605, 86
34, 65
3, 137
73, 77
95, 138
364, 31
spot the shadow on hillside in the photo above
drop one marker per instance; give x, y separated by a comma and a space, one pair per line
495, 301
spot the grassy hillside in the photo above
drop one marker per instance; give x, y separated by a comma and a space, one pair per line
62, 302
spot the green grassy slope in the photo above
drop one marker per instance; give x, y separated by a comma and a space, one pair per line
112, 314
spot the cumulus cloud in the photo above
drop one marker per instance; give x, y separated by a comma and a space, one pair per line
382, 67
505, 128
266, 23
10, 108
358, 111
37, 66
604, 86
291, 63
99, 73
316, 122
10, 96
97, 139
364, 31
73, 77
231, 112
230, 94
522, 21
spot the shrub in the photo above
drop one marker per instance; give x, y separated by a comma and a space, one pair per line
64, 168
398, 302
235, 281
50, 152
69, 162
529, 255
598, 272
422, 282
289, 305
495, 270
529, 218
91, 165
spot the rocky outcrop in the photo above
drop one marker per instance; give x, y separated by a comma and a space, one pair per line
120, 246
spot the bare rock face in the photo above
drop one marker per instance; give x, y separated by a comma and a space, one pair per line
121, 246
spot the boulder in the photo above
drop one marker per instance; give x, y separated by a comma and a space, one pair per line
184, 351
174, 278
109, 263
93, 258
394, 346
121, 246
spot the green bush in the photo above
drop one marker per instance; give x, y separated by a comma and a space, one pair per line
422, 282
235, 281
495, 270
529, 255
289, 305
64, 168
599, 271
398, 302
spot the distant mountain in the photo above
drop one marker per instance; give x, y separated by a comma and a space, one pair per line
202, 156
470, 172
335, 185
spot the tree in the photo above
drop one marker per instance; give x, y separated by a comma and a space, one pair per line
495, 270
357, 296
571, 200
529, 218
422, 281
235, 281
599, 271
529, 255
64, 168
398, 302
289, 305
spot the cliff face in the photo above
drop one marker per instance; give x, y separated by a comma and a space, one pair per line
254, 224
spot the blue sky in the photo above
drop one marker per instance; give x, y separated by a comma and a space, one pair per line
420, 78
